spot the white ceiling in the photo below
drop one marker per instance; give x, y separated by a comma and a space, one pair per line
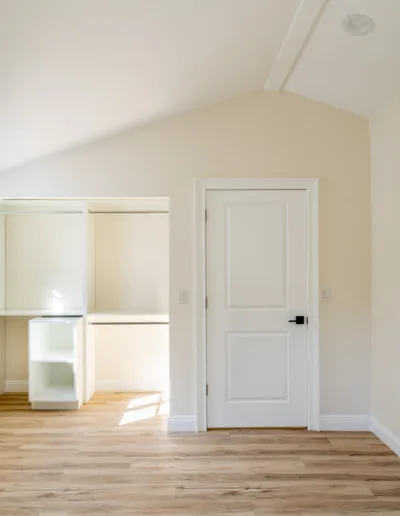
356, 73
74, 70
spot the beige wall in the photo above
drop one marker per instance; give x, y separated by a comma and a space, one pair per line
385, 166
257, 135
16, 331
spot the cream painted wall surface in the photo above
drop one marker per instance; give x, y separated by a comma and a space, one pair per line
131, 275
385, 360
16, 349
256, 135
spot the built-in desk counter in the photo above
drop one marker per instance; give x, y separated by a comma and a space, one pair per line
131, 351
126, 318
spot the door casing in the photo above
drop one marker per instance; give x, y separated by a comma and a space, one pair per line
311, 187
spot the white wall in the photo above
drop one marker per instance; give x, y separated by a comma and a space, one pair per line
91, 262
44, 267
256, 135
385, 166
16, 349
131, 262
2, 354
2, 262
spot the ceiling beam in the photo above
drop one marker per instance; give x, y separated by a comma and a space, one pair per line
303, 24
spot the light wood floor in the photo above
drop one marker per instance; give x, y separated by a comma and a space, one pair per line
100, 461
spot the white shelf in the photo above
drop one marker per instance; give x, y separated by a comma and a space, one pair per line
63, 358
120, 317
43, 206
39, 313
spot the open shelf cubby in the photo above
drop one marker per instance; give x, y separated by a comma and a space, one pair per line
54, 341
52, 382
55, 349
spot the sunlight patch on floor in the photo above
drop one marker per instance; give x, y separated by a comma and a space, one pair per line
147, 400
146, 407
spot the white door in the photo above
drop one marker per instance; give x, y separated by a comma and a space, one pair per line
256, 259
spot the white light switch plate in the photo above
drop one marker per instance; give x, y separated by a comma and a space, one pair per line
326, 294
183, 297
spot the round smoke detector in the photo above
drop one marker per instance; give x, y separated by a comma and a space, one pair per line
358, 24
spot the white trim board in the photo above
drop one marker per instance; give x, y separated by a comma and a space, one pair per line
180, 424
385, 435
16, 386
345, 423
311, 188
303, 24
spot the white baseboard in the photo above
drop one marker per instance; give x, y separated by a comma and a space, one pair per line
177, 424
385, 435
121, 386
16, 386
345, 423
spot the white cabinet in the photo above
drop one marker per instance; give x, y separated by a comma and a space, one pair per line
139, 361
55, 362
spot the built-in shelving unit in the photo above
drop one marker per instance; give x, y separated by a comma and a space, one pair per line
103, 262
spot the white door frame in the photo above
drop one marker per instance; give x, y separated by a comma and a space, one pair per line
311, 188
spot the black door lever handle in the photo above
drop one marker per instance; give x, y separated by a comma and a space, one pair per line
300, 319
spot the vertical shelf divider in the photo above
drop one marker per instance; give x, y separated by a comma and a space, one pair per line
2, 303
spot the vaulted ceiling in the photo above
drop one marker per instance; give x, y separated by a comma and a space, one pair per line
72, 71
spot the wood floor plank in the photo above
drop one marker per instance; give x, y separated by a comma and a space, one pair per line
114, 457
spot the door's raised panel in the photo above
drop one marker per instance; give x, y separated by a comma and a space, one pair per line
256, 255
257, 366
